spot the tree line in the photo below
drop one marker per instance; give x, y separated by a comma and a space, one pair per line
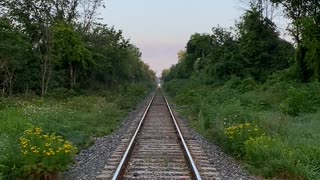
50, 44
253, 47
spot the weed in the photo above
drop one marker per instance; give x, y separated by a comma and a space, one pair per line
286, 113
76, 118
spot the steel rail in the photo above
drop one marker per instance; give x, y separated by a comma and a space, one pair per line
130, 146
185, 147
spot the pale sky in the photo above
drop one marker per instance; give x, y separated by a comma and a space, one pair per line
160, 28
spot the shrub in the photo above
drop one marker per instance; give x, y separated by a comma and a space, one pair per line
248, 84
45, 154
237, 135
63, 93
253, 101
233, 83
232, 112
298, 101
175, 86
187, 97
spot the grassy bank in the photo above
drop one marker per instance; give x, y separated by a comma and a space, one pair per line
274, 127
77, 118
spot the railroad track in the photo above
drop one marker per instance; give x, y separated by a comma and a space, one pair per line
158, 147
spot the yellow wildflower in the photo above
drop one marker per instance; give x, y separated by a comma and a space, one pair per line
37, 130
53, 137
28, 132
67, 146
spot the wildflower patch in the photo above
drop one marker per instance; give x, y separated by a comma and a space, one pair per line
240, 133
45, 154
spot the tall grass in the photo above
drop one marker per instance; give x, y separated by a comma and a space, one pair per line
77, 118
287, 112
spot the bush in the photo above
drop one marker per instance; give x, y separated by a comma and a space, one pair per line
248, 84
233, 83
253, 101
175, 86
231, 112
298, 101
237, 135
44, 154
63, 93
187, 97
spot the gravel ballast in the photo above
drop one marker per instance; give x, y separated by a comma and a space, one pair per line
228, 168
90, 162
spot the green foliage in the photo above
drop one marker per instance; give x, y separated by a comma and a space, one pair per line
58, 50
70, 52
129, 95
254, 51
14, 53
250, 75
301, 100
311, 37
92, 76
187, 97
116, 60
284, 146
44, 153
298, 101
238, 135
305, 30
78, 118
254, 101
272, 157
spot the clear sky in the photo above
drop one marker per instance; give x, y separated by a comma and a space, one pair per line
160, 28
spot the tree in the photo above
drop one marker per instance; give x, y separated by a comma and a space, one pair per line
70, 51
260, 45
305, 30
67, 48
36, 19
269, 9
254, 50
14, 50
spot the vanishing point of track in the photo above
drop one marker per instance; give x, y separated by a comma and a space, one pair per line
157, 149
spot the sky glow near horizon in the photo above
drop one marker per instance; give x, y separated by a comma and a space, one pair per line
161, 28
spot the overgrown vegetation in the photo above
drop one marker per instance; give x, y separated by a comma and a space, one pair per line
252, 124
66, 74
254, 93
78, 119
